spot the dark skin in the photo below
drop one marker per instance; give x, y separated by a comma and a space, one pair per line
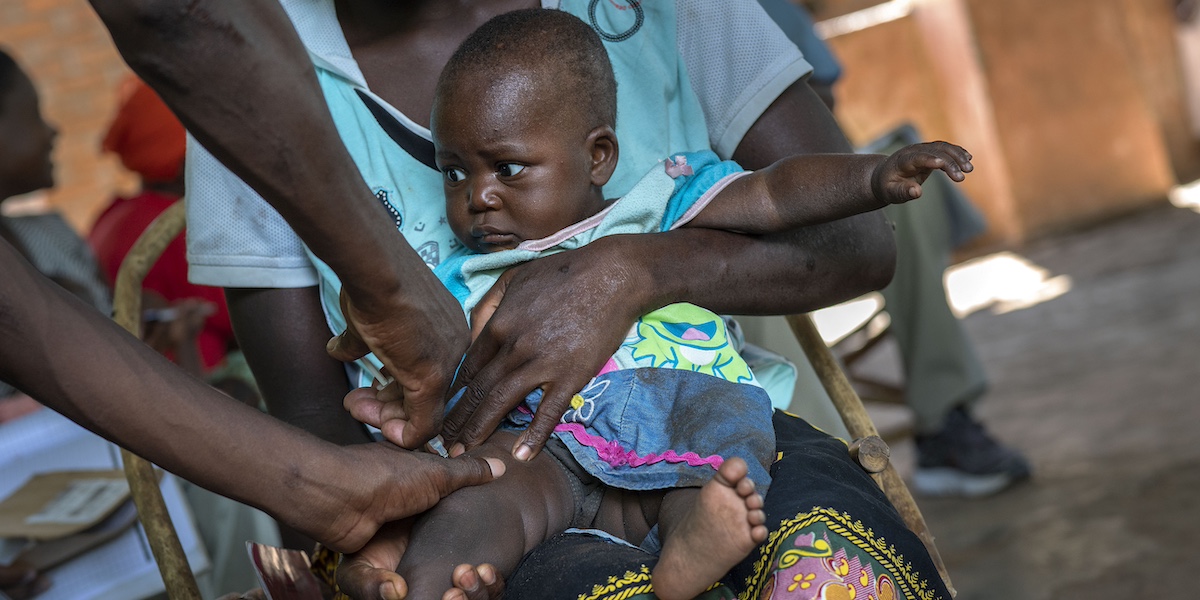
191, 54
78, 362
261, 112
498, 371
517, 169
235, 101
771, 274
81, 364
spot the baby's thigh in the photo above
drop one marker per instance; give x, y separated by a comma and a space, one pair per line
629, 514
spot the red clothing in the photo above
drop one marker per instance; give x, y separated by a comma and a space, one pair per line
113, 234
146, 135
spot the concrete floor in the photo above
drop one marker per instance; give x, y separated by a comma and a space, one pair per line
1100, 387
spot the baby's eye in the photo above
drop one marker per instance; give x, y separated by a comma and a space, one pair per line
509, 169
454, 175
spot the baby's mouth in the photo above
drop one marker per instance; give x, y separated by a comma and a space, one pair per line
489, 235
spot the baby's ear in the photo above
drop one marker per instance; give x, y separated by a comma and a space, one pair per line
602, 145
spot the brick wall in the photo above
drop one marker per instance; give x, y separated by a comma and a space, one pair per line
66, 50
1073, 109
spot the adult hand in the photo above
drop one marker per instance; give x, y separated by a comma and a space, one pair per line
556, 320
898, 178
370, 573
420, 339
389, 484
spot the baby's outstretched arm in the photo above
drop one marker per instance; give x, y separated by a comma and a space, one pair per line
816, 188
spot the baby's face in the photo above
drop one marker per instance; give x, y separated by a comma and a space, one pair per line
511, 169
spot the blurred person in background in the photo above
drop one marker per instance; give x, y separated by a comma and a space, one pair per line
113, 385
151, 142
60, 254
188, 323
46, 241
944, 378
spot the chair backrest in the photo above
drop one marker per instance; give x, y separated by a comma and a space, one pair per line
871, 451
143, 484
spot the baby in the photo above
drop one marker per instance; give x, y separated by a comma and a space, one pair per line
670, 445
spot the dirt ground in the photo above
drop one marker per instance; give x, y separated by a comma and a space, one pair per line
1099, 387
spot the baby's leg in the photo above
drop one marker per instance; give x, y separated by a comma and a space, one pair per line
495, 523
706, 531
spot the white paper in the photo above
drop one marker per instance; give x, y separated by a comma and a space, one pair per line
121, 569
84, 501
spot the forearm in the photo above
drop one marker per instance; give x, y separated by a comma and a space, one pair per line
799, 271
81, 364
283, 333
239, 78
742, 274
795, 192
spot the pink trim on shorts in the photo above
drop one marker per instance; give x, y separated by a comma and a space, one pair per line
614, 455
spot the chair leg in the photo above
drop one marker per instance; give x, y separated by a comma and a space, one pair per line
859, 424
143, 483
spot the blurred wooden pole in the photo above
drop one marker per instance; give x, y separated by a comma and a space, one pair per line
860, 426
143, 483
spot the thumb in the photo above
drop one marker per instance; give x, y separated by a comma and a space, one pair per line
422, 419
370, 573
359, 579
347, 346
488, 304
482, 313
466, 471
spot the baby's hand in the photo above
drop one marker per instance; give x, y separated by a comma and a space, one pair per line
898, 178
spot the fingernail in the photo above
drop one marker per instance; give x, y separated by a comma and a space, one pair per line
470, 581
388, 591
487, 575
496, 465
457, 449
523, 453
332, 343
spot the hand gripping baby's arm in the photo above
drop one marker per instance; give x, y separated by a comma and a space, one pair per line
817, 188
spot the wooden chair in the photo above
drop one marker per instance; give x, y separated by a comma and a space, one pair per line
867, 447
853, 331
143, 484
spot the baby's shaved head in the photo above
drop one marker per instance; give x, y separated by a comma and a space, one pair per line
564, 52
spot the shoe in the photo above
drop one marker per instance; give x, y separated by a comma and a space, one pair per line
963, 460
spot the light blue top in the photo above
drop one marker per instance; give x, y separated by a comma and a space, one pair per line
690, 75
651, 115
676, 399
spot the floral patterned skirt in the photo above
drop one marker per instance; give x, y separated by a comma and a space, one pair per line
834, 536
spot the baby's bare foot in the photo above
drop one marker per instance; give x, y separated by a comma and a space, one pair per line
723, 526
475, 582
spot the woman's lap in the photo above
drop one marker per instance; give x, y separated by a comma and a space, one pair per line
834, 534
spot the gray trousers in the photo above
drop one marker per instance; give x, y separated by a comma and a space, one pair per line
940, 366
